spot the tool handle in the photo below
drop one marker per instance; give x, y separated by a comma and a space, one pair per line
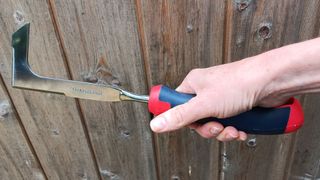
279, 120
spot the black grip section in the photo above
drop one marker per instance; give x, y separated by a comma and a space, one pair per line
173, 97
256, 121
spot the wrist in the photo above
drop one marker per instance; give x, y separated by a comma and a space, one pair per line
292, 70
255, 76
274, 88
264, 73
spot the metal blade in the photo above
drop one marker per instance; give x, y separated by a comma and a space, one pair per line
24, 77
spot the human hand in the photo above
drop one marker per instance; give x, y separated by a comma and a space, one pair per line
221, 91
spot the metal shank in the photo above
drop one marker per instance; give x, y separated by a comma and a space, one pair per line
24, 77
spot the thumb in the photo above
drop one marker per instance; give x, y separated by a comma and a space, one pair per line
178, 116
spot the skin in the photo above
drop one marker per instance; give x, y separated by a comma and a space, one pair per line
266, 80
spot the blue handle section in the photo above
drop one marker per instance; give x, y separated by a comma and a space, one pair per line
256, 121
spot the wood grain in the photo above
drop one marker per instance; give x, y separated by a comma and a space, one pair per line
179, 36
51, 121
17, 159
306, 161
254, 27
101, 43
136, 44
304, 164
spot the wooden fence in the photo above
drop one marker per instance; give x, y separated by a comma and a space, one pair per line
137, 44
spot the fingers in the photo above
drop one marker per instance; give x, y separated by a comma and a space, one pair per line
214, 129
179, 116
228, 134
185, 114
209, 130
242, 136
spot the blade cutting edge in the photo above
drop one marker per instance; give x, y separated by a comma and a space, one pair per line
24, 77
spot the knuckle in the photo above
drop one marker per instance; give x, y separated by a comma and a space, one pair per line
192, 77
195, 71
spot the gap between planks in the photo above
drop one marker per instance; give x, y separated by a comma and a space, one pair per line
225, 59
51, 8
147, 70
290, 159
23, 129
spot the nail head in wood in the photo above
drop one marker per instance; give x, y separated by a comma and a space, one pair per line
252, 142
189, 28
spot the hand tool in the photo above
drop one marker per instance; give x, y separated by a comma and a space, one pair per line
278, 120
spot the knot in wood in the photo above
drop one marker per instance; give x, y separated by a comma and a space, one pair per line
18, 17
4, 108
90, 77
243, 5
264, 31
101, 74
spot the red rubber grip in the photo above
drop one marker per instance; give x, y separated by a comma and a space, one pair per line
296, 116
155, 105
278, 120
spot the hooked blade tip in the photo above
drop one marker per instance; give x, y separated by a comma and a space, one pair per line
22, 32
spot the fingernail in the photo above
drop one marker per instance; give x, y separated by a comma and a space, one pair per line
215, 131
231, 136
158, 124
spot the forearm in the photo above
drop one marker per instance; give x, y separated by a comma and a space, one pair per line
293, 69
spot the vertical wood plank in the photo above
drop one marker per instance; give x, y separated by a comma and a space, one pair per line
51, 121
254, 27
180, 36
305, 163
306, 160
17, 160
101, 43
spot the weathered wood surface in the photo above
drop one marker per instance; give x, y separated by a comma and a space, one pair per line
17, 159
177, 37
305, 162
101, 44
52, 122
137, 44
254, 27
